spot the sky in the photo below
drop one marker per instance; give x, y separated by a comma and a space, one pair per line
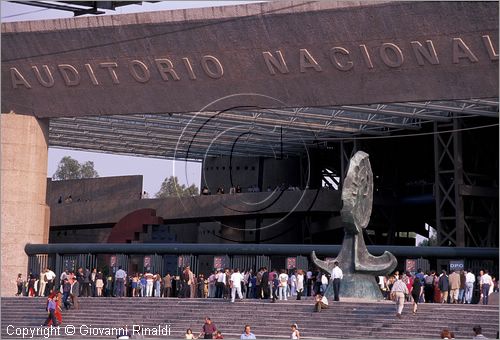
154, 170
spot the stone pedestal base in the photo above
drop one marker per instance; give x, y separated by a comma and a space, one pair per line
357, 286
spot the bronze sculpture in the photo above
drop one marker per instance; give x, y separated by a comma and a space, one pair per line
359, 267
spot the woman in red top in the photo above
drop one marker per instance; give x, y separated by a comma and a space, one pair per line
408, 280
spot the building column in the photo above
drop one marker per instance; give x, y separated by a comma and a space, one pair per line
24, 212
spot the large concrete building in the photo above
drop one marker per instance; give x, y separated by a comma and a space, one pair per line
262, 94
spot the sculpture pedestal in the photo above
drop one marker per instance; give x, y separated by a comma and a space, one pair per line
356, 285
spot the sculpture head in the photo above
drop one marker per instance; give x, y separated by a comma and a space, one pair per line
357, 193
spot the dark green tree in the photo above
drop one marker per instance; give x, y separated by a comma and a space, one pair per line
172, 188
70, 168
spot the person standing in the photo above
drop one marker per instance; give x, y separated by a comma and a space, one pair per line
120, 281
398, 292
43, 283
219, 285
19, 284
211, 285
336, 277
283, 284
235, 280
74, 292
264, 284
444, 286
167, 282
99, 283
470, 278
293, 283
300, 283
485, 284
93, 279
454, 280
461, 291
192, 287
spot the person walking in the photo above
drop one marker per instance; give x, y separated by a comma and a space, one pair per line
485, 283
51, 309
398, 292
336, 277
416, 292
470, 278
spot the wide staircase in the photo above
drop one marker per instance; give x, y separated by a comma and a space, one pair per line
345, 319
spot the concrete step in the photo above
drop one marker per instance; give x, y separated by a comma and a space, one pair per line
349, 319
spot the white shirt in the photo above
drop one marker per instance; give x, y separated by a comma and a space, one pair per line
283, 279
486, 279
309, 275
50, 275
470, 277
337, 273
236, 279
221, 277
300, 282
324, 279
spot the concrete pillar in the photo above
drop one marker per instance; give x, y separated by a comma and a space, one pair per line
24, 212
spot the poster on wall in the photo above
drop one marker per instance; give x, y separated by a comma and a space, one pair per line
69, 264
291, 263
180, 262
113, 263
411, 266
147, 263
219, 262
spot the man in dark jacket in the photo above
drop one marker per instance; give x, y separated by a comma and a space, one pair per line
444, 286
264, 284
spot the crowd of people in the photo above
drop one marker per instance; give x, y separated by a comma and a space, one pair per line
457, 287
429, 287
231, 284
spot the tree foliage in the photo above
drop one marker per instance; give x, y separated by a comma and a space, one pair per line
172, 188
70, 168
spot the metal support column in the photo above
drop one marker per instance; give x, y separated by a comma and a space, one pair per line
448, 171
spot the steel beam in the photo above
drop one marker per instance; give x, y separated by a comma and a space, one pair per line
250, 249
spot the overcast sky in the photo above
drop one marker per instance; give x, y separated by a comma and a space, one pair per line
153, 170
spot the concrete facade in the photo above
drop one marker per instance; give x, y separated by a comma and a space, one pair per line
278, 54
95, 189
24, 213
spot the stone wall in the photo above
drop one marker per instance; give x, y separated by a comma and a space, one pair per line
24, 214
